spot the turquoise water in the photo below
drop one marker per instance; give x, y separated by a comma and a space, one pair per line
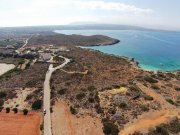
153, 50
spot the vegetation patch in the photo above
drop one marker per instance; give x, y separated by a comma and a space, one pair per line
177, 88
110, 128
150, 79
73, 110
80, 96
3, 94
37, 105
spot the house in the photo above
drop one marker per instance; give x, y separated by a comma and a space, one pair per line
10, 47
45, 57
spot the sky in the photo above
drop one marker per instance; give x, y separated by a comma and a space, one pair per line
163, 14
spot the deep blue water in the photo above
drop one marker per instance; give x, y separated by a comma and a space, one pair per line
153, 50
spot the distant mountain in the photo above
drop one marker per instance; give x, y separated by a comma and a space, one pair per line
49, 29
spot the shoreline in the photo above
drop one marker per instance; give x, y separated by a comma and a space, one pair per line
135, 63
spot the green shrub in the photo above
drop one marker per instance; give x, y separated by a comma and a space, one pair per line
73, 110
15, 110
150, 79
1, 108
91, 88
155, 87
147, 97
21, 61
174, 126
177, 88
37, 105
7, 110
80, 96
41, 127
110, 128
170, 101
29, 97
1, 102
162, 130
25, 111
3, 94
62, 91
144, 108
91, 100
123, 105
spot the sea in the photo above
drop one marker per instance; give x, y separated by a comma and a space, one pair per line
154, 50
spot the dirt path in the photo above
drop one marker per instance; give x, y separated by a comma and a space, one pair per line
64, 123
151, 118
47, 90
75, 72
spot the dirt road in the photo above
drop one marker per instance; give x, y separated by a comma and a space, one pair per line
47, 90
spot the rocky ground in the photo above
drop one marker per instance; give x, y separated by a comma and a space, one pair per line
98, 93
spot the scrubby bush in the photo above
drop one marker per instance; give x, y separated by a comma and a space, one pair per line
155, 87
41, 127
150, 79
121, 101
144, 108
91, 88
25, 111
51, 109
162, 130
62, 91
98, 109
174, 126
37, 105
3, 94
29, 97
123, 105
80, 96
73, 110
7, 110
147, 97
15, 110
91, 100
177, 88
21, 61
1, 102
110, 128
1, 108
170, 101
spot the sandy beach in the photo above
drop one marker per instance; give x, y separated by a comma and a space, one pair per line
5, 67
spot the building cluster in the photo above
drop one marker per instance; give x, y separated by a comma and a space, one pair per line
42, 53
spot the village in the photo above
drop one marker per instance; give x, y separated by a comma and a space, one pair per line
44, 53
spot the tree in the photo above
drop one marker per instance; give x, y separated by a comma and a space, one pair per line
7, 110
15, 110
37, 105
25, 111
3, 94
1, 102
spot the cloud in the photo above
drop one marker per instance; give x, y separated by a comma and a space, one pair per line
45, 12
112, 6
39, 5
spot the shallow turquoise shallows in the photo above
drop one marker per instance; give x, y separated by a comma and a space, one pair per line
154, 50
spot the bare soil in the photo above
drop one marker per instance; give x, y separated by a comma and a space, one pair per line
65, 123
18, 124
